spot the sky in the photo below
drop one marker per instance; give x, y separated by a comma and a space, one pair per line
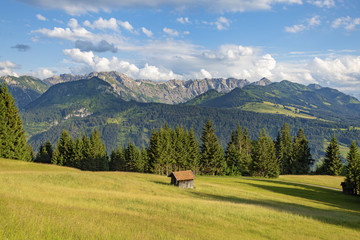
303, 41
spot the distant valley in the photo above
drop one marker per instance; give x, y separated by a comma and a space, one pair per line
126, 110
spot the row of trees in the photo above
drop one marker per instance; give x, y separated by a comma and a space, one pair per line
12, 136
86, 153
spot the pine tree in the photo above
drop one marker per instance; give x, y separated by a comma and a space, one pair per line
301, 154
332, 162
64, 151
117, 159
100, 155
212, 161
78, 153
133, 160
193, 152
88, 154
145, 158
284, 151
353, 168
45, 152
12, 136
265, 162
154, 153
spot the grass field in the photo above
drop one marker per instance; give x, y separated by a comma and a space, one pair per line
50, 202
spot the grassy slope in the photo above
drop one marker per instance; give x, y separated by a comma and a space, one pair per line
49, 202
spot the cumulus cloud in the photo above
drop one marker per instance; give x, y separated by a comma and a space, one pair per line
85, 6
103, 24
171, 32
147, 32
41, 17
222, 23
309, 23
102, 46
126, 25
183, 20
21, 47
347, 22
75, 32
43, 73
322, 3
8, 68
94, 63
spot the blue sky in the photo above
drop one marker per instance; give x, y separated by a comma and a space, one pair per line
304, 41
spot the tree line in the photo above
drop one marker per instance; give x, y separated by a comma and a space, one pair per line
178, 149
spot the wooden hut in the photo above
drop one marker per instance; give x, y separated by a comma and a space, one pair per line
183, 179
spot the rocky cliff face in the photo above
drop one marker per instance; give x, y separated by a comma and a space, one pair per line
171, 92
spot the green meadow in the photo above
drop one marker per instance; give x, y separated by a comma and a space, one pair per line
40, 201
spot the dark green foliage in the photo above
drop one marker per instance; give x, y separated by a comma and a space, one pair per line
332, 163
265, 163
238, 153
12, 136
117, 159
353, 168
284, 150
302, 159
212, 161
99, 151
64, 154
45, 152
133, 159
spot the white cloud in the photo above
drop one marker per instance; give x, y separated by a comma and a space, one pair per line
147, 32
43, 73
7, 68
347, 22
103, 24
126, 25
222, 23
322, 3
183, 20
84, 6
92, 62
41, 17
171, 32
295, 28
309, 23
75, 32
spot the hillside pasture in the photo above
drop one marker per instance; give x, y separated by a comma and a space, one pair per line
40, 201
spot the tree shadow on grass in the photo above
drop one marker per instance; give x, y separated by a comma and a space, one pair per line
161, 183
349, 217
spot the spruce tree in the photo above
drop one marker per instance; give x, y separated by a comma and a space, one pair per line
212, 161
265, 162
88, 154
284, 151
155, 153
45, 152
12, 136
353, 168
64, 151
301, 154
332, 162
117, 159
133, 161
193, 152
100, 155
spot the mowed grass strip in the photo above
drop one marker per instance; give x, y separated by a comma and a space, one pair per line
49, 202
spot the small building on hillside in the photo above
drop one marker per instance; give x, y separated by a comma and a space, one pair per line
183, 179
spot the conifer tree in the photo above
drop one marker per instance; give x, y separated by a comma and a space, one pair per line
265, 163
117, 159
78, 153
145, 158
353, 168
133, 161
284, 151
193, 152
155, 153
100, 155
45, 152
301, 154
332, 162
212, 161
64, 151
88, 154
12, 136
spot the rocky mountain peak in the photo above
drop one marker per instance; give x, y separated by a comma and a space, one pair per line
262, 82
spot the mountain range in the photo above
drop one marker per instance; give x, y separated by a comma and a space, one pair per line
127, 110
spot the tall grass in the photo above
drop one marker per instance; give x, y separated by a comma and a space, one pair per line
49, 202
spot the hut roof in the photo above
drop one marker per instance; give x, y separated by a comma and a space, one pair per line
183, 175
